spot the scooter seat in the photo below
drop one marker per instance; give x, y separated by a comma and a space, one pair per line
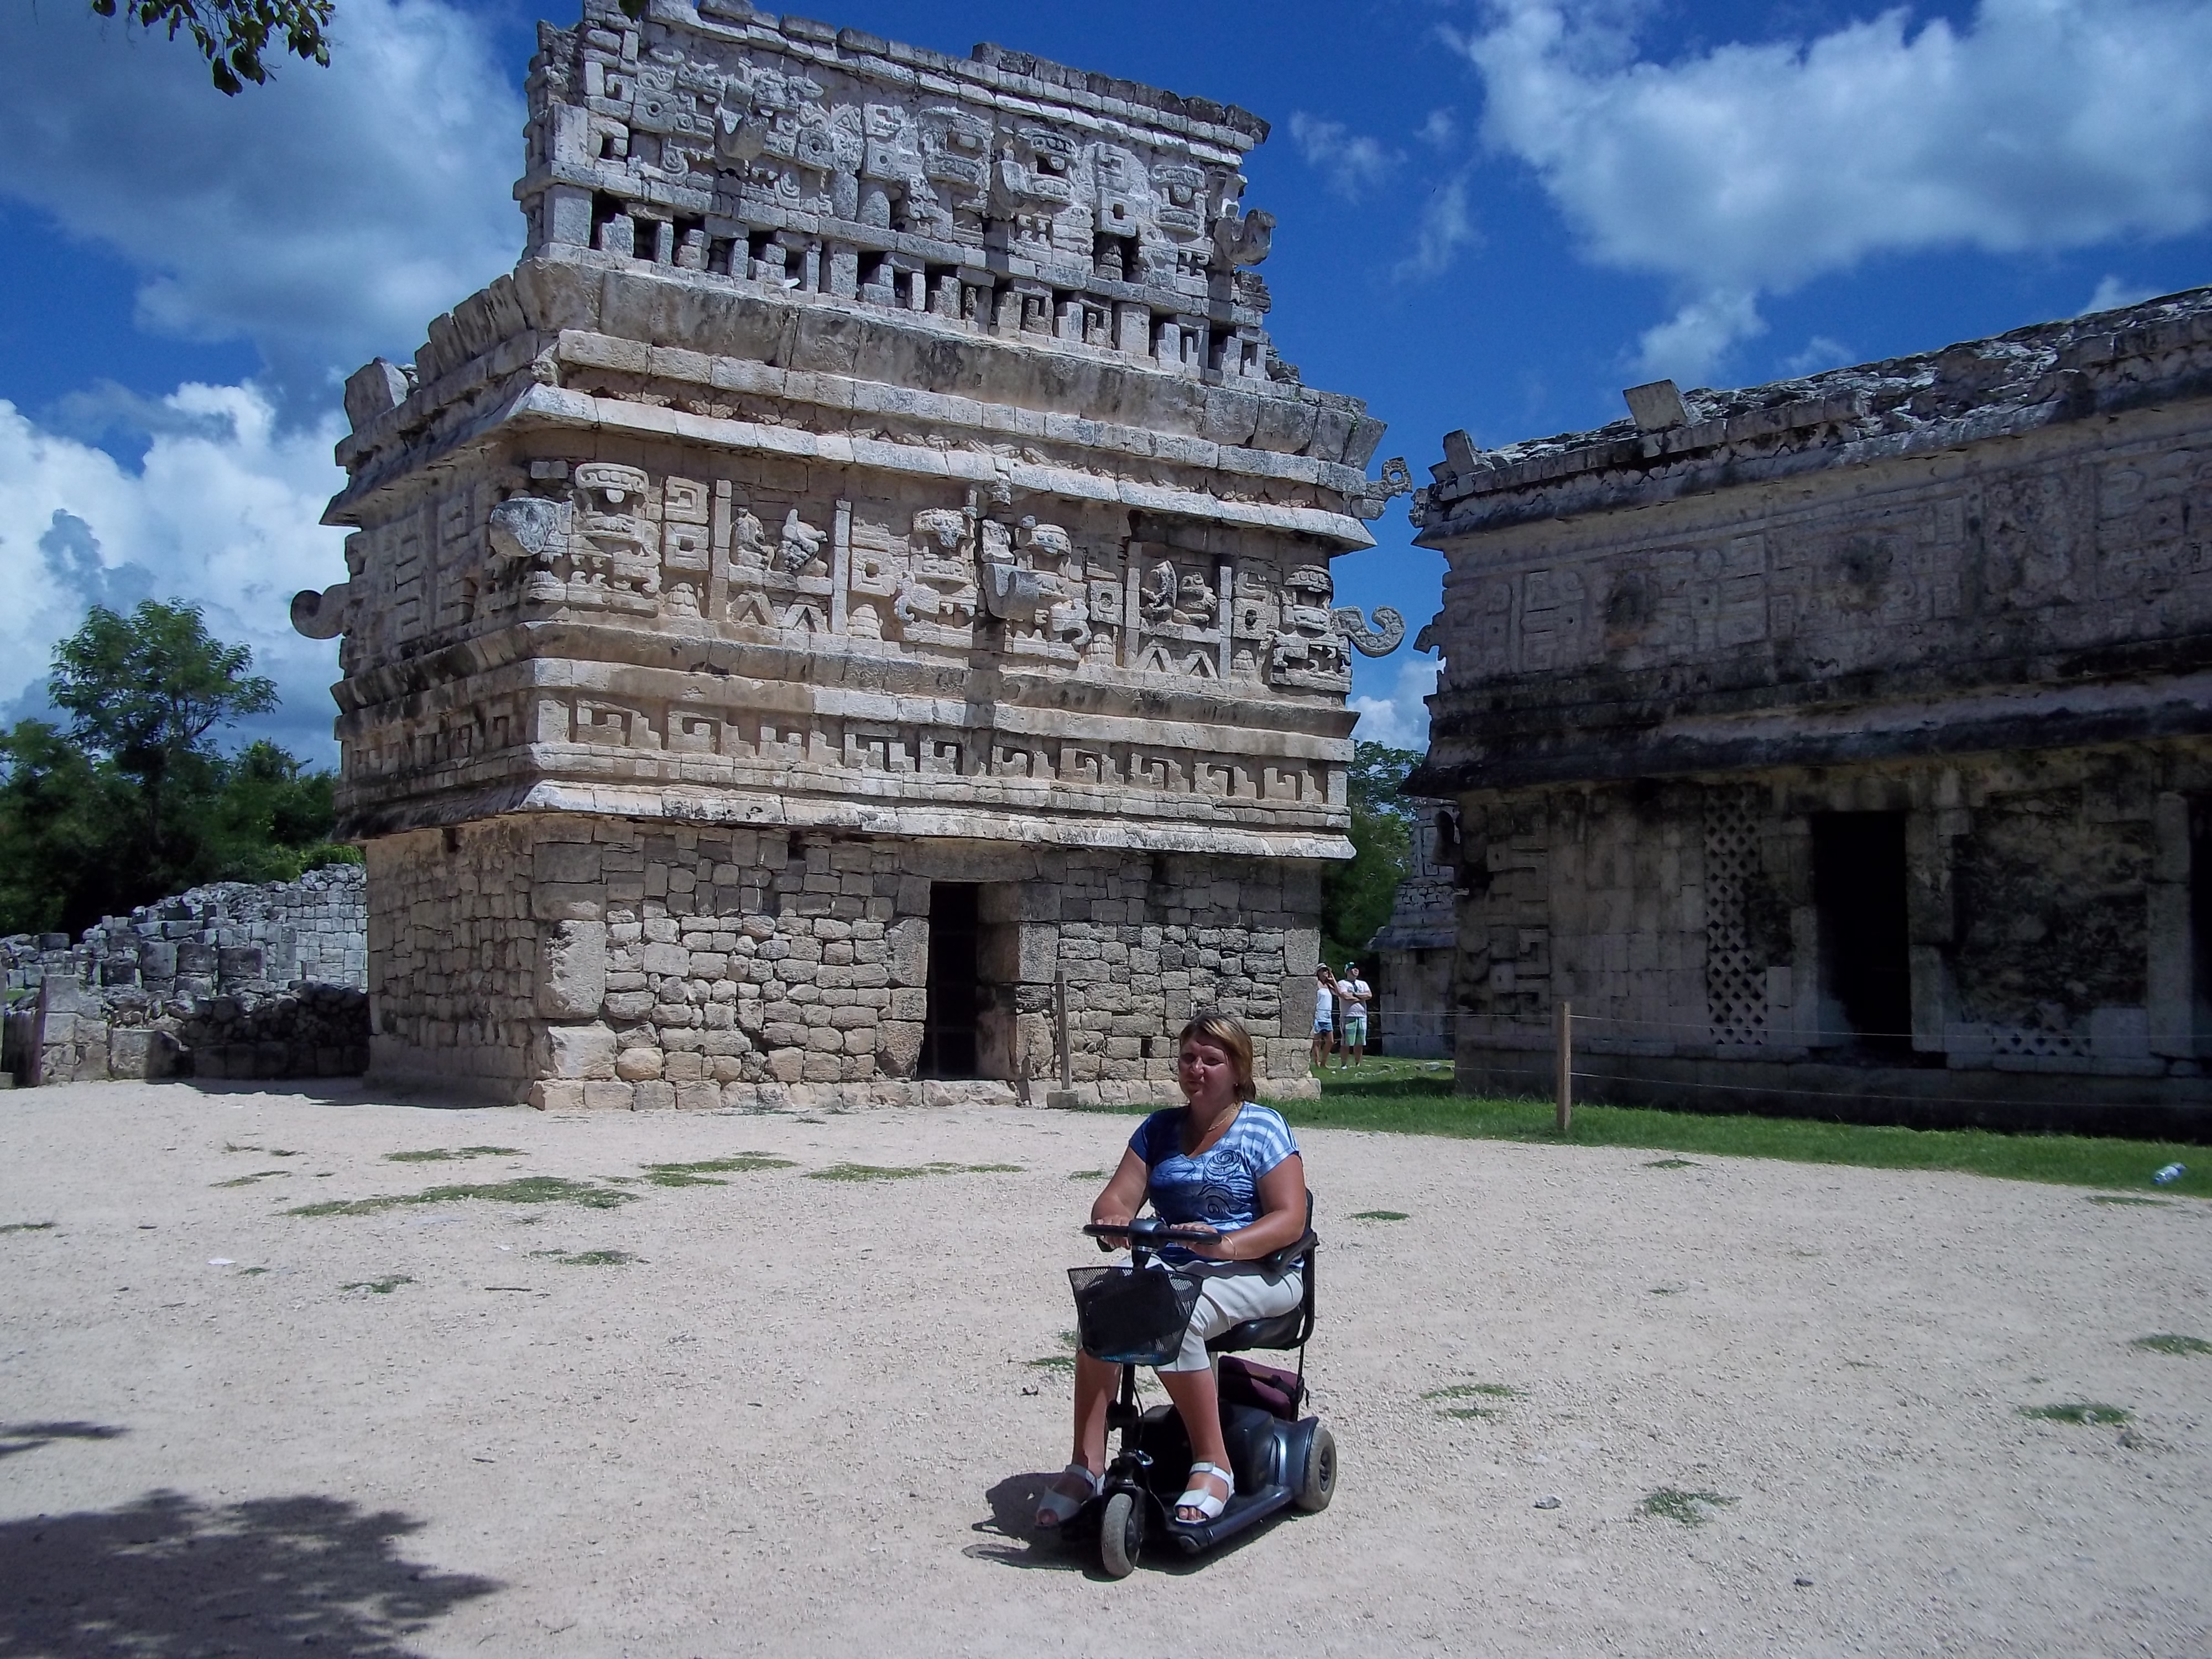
1280, 1331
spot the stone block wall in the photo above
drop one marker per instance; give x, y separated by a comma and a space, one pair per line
210, 939
582, 961
229, 980
2055, 924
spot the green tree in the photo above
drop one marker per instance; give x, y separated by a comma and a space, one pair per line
270, 821
58, 818
145, 691
1357, 896
135, 801
233, 34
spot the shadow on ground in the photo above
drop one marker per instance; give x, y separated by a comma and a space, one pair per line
1012, 1535
168, 1576
29, 1436
1012, 1538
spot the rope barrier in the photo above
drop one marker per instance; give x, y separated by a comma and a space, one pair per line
1819, 1094
1780, 1036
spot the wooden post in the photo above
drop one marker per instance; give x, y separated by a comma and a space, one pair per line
1059, 1022
1564, 1042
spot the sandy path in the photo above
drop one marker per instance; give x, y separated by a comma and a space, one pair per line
798, 1424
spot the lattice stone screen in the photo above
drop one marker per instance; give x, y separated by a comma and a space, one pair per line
1735, 980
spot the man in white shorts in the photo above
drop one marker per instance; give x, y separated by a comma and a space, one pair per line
1352, 994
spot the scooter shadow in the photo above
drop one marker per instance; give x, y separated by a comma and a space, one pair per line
1018, 1542
1012, 1537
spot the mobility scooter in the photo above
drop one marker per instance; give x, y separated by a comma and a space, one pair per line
1136, 1315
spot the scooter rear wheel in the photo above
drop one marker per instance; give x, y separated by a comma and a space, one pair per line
1121, 1534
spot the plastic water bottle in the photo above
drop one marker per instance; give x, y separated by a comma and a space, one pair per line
2169, 1173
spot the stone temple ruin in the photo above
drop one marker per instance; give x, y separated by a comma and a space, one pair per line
1416, 951
852, 611
1848, 737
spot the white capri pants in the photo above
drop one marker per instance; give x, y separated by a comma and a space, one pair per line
1230, 1292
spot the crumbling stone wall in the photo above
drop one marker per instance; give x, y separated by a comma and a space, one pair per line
590, 963
2053, 890
207, 939
230, 980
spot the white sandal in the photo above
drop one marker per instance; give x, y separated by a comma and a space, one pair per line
1208, 1505
1056, 1508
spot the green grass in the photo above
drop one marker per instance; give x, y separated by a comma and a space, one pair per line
251, 1272
379, 1286
1670, 1163
248, 1180
1091, 1175
1690, 1507
1469, 1390
530, 1189
29, 1227
2090, 1412
2127, 1198
447, 1154
1405, 1098
702, 1173
589, 1258
2166, 1342
1058, 1362
906, 1172
1380, 1215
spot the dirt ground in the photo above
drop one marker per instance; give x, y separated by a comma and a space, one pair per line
810, 1415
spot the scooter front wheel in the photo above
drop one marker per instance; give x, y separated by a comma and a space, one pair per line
1316, 1482
1121, 1534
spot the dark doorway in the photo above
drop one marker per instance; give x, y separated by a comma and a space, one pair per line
2200, 914
948, 1032
1866, 971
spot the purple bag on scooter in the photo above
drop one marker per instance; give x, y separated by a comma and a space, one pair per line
1278, 1393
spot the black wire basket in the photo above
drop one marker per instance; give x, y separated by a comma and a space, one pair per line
1132, 1315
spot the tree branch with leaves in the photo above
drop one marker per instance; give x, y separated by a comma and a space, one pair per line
233, 35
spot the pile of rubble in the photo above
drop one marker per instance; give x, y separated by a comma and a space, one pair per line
227, 981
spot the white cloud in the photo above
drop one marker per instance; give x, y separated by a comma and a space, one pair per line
1440, 130
1690, 344
1751, 169
1820, 352
223, 513
1352, 165
327, 215
2112, 294
1446, 227
1402, 719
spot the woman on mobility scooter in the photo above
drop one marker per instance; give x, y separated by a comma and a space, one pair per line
1226, 1175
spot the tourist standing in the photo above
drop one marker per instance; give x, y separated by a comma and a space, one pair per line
1354, 994
1324, 1020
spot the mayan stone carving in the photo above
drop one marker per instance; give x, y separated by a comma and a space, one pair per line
868, 547
1848, 741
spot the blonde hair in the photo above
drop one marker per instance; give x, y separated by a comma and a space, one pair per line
1225, 1032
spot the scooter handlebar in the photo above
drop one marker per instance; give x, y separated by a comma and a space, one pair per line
1150, 1231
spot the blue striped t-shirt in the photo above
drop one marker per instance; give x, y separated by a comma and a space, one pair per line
1220, 1186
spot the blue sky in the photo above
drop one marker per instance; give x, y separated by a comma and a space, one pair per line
1494, 214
